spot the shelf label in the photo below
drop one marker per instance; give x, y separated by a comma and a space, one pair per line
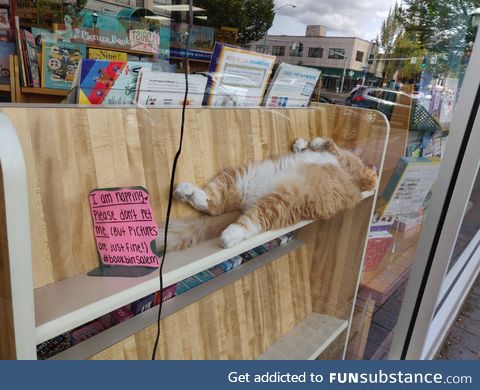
124, 226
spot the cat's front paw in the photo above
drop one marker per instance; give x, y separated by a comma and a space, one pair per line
299, 145
184, 191
193, 195
232, 235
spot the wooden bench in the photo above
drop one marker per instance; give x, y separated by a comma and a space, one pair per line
52, 157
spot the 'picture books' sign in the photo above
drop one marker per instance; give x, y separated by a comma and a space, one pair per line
124, 227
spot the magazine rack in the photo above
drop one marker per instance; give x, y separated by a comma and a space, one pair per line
301, 293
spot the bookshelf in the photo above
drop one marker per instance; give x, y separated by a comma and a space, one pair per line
257, 305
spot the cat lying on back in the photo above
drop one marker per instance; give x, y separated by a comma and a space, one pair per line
316, 181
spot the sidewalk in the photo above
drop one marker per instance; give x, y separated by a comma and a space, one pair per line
463, 341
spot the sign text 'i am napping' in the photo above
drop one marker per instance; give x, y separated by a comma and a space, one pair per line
124, 226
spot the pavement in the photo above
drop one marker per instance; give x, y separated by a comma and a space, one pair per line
463, 340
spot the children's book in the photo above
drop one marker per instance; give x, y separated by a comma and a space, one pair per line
409, 185
109, 82
60, 62
6, 48
31, 57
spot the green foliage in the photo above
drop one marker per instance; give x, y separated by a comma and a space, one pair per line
253, 18
426, 29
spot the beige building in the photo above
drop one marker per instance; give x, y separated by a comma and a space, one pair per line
329, 54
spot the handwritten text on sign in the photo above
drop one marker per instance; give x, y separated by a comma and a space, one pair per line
124, 226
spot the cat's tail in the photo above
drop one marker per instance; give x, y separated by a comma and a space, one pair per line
187, 232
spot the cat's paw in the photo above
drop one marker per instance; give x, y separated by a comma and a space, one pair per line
184, 191
232, 235
192, 194
317, 144
299, 145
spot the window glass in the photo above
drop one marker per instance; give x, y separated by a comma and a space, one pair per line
336, 54
316, 52
278, 51
359, 56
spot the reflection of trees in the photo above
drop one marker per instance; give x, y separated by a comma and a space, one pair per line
253, 18
427, 28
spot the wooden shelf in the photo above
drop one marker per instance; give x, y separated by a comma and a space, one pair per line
5, 88
307, 340
45, 91
125, 329
69, 303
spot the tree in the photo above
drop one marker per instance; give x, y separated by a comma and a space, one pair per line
253, 18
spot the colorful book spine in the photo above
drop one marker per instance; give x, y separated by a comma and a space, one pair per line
142, 304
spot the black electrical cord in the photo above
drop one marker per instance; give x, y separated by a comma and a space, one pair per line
172, 179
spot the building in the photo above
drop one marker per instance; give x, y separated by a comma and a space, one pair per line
329, 54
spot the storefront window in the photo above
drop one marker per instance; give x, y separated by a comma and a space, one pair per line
357, 76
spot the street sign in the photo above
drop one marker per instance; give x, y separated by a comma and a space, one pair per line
351, 73
413, 60
433, 60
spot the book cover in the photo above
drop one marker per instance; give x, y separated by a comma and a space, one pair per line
377, 247
4, 21
109, 55
59, 63
109, 82
409, 185
6, 48
31, 54
142, 304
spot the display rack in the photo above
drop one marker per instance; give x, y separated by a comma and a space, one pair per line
51, 158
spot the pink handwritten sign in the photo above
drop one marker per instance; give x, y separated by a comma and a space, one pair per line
124, 226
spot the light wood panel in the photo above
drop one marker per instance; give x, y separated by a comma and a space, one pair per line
237, 322
7, 336
70, 151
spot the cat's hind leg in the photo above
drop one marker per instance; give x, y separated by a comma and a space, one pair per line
273, 211
299, 145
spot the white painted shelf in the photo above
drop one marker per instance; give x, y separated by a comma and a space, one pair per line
64, 305
307, 340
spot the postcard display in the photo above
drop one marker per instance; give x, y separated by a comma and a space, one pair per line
133, 148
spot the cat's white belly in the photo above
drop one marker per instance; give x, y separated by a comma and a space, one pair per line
264, 177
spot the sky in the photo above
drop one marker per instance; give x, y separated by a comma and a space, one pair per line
347, 18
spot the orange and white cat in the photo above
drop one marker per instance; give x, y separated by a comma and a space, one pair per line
316, 181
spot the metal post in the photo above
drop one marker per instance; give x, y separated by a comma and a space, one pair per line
343, 75
265, 43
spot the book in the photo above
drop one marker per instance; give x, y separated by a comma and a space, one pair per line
163, 89
6, 49
4, 20
110, 55
109, 82
31, 58
59, 63
406, 223
19, 40
382, 223
292, 86
377, 246
142, 304
409, 185
24, 60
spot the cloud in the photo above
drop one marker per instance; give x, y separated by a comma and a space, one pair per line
347, 18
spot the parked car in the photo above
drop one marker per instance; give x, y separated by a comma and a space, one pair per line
372, 97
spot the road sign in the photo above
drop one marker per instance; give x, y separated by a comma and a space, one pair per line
433, 60
413, 60
351, 73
